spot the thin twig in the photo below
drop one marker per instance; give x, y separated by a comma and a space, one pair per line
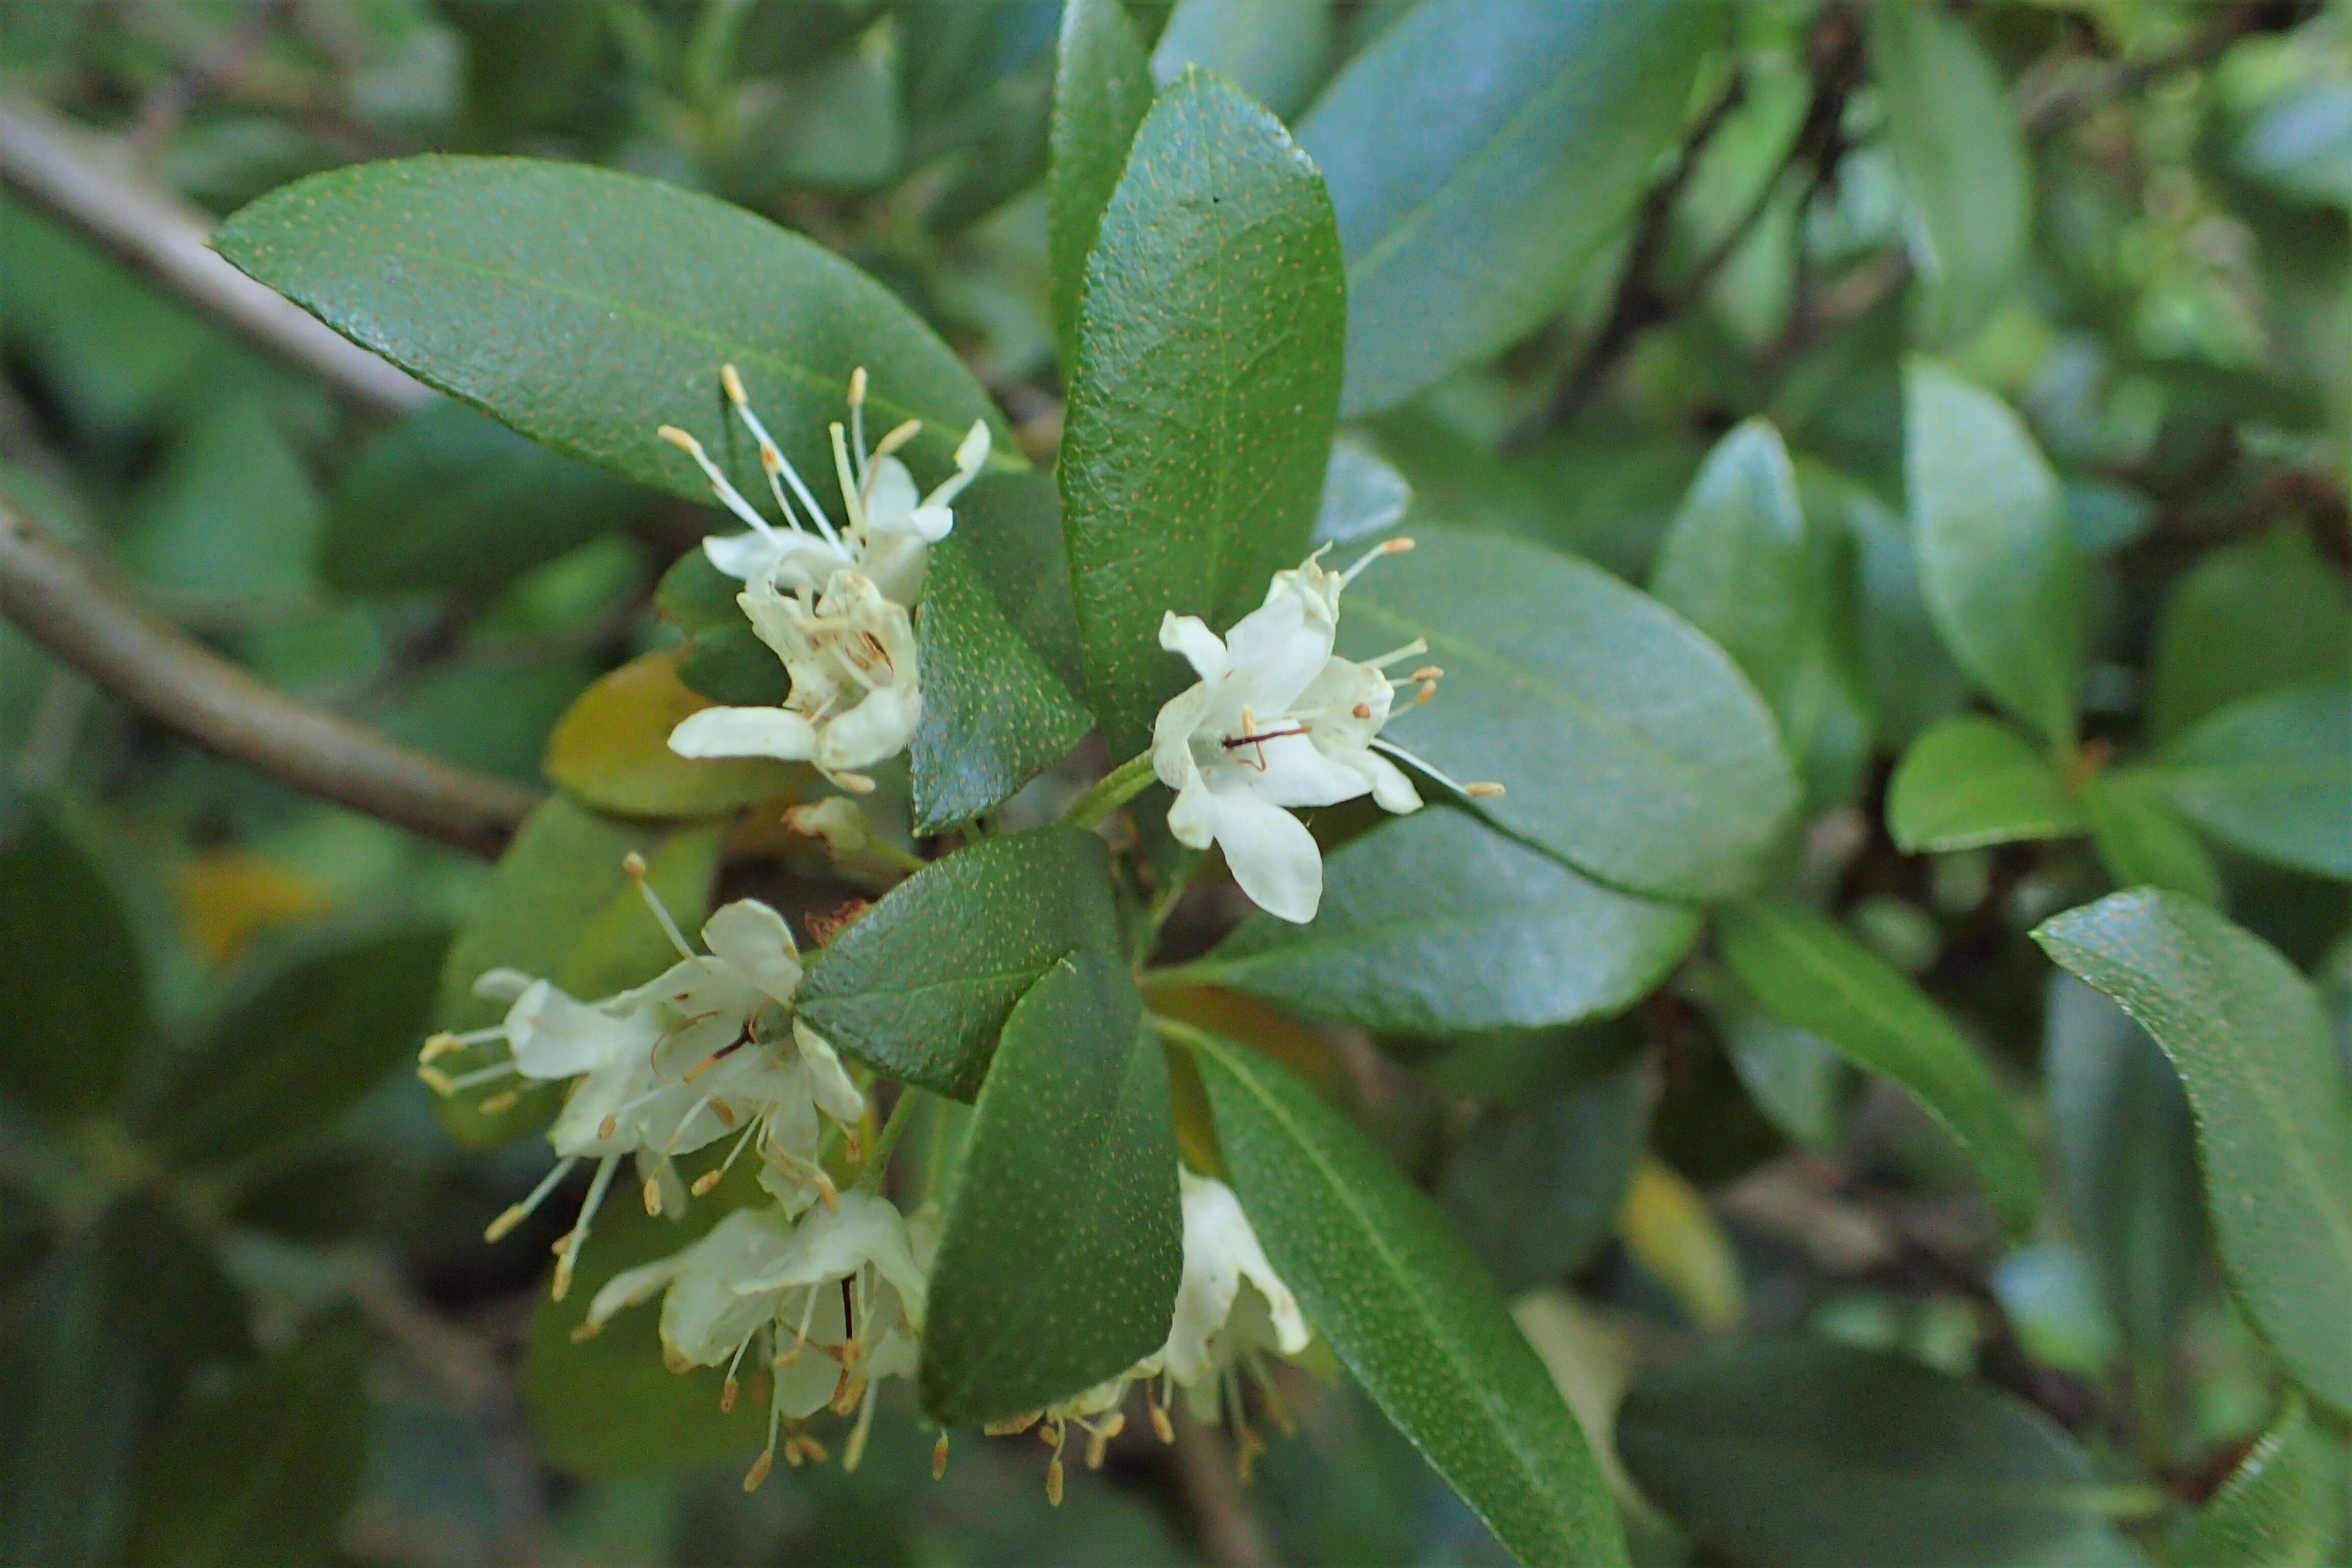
55, 599
1232, 1534
80, 178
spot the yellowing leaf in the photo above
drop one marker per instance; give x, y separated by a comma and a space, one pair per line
1671, 1231
612, 750
227, 897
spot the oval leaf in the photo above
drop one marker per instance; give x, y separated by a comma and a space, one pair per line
1206, 392
1632, 746
612, 748
1102, 88
2143, 841
1805, 971
2282, 1507
1408, 1310
1481, 152
1438, 922
71, 981
2272, 775
587, 309
1733, 562
919, 986
2274, 1112
1064, 1245
2248, 619
1971, 781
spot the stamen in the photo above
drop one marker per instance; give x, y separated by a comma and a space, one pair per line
855, 1449
481, 1075
515, 1216
710, 1178
771, 457
499, 1104
1469, 791
857, 422
940, 1458
728, 496
1011, 1426
579, 1237
1412, 649
436, 1080
852, 496
1161, 1427
727, 1390
1386, 547
443, 1044
633, 864
1098, 1438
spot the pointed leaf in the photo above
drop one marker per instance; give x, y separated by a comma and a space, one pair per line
70, 982
1734, 564
2273, 1109
610, 749
2282, 1507
1206, 390
1102, 86
1063, 1248
919, 986
2272, 775
1408, 1310
1973, 780
2143, 841
1806, 970
2247, 619
1438, 922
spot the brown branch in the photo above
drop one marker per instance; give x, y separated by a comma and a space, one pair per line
81, 179
56, 599
1232, 1534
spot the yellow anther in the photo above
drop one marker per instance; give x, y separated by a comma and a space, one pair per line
1053, 1482
1012, 1425
1161, 1427
607, 1127
759, 1470
586, 1331
653, 1197
438, 1046
939, 1457
733, 384
727, 1392
633, 865
680, 439
437, 1081
857, 386
704, 1182
898, 436
506, 1222
1483, 791
1395, 546
1428, 673
500, 1103
563, 1278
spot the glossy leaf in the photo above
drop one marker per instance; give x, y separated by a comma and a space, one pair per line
612, 750
920, 984
1481, 153
1102, 86
1409, 1311
2282, 1507
2248, 619
1997, 564
1973, 780
1534, 1190
2273, 1107
1437, 922
2143, 841
300, 1046
2271, 775
587, 308
2127, 1162
1206, 388
1063, 1248
1734, 564
1806, 970
1363, 493
1274, 50
70, 980
724, 658
1966, 182
1792, 1452
1630, 746
446, 498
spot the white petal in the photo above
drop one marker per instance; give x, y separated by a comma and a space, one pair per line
1192, 820
554, 1037
1269, 851
1190, 635
829, 1080
930, 523
1221, 1251
1278, 648
753, 939
877, 728
502, 984
1296, 772
746, 556
893, 499
631, 1286
745, 733
1390, 788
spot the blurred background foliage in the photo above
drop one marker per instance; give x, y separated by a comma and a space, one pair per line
245, 1314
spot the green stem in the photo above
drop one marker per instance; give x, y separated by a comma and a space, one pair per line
877, 1160
1201, 972
1110, 791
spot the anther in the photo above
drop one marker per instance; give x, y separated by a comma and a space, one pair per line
1429, 672
1161, 1427
1011, 1426
438, 1046
499, 1104
437, 1081
940, 1458
857, 386
1362, 709
727, 1392
733, 384
759, 1470
1053, 1482
653, 1197
1483, 791
586, 1331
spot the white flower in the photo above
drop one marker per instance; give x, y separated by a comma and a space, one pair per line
891, 526
839, 1293
668, 1067
854, 697
1277, 721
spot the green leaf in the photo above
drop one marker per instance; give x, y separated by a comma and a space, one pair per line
559, 906
1909, 678
612, 748
1274, 50
302, 1044
919, 986
1059, 1263
1207, 384
1555, 676
446, 498
1968, 184
724, 660
1997, 564
995, 712
2282, 1507
265, 1471
2301, 145
1793, 1453
2142, 840
1733, 563
1481, 153
2273, 1110
2247, 619
2271, 775
70, 982
1102, 86
2127, 1164
1973, 780
1806, 970
586, 309
1535, 1189
1408, 1310
1436, 923
228, 528
1363, 493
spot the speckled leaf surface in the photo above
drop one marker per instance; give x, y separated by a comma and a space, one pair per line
1972, 781
1102, 88
1806, 970
1632, 746
2274, 1110
1438, 922
587, 308
920, 985
1408, 1309
1205, 393
1059, 1263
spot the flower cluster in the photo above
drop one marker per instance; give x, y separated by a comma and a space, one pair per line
1278, 721
835, 605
